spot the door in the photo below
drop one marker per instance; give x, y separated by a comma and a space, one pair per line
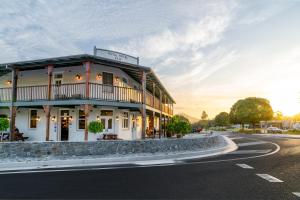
134, 127
107, 121
64, 125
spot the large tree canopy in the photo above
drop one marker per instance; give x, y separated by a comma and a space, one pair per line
222, 119
251, 110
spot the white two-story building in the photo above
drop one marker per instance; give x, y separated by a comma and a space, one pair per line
54, 99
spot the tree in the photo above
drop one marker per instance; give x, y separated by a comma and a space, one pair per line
179, 125
278, 116
204, 115
222, 119
251, 110
96, 127
4, 124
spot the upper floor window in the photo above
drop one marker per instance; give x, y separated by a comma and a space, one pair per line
108, 82
33, 118
58, 78
108, 78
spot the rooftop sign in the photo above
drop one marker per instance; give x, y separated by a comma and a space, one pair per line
113, 55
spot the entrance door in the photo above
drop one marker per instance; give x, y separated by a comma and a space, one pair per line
64, 125
134, 127
107, 120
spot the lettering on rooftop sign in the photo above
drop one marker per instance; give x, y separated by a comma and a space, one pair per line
113, 55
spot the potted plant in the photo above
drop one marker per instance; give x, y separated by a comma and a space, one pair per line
4, 124
95, 127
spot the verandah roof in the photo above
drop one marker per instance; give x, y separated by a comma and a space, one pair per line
133, 70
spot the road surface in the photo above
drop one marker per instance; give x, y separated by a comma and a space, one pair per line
262, 168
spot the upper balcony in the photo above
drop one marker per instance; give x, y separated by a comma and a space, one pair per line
77, 91
102, 81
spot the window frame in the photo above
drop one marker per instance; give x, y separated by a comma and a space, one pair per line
80, 119
29, 117
125, 118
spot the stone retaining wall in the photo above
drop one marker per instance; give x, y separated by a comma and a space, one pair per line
105, 148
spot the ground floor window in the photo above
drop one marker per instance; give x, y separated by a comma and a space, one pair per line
125, 120
33, 118
81, 119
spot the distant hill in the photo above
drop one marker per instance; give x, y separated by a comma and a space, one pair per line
190, 118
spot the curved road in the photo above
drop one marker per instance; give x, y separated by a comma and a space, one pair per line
261, 168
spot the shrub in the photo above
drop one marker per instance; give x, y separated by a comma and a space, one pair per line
179, 125
95, 127
4, 124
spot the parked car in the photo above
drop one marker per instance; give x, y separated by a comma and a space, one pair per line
197, 130
274, 130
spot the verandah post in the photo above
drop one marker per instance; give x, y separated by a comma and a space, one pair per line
87, 96
143, 111
48, 107
14, 77
160, 113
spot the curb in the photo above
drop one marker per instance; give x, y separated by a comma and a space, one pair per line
136, 160
278, 135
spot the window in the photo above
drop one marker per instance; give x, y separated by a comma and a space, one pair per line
106, 113
33, 119
58, 76
108, 82
125, 121
81, 119
124, 80
107, 78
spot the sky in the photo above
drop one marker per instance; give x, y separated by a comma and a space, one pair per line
208, 54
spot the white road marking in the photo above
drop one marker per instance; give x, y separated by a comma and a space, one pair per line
251, 143
251, 151
245, 166
269, 178
297, 194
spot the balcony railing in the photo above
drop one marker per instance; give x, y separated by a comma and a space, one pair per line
78, 91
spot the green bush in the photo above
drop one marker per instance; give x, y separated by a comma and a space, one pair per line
179, 125
96, 127
293, 132
4, 124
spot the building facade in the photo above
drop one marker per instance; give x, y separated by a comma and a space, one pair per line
55, 99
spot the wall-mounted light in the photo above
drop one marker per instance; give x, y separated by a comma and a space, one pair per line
70, 118
98, 118
8, 82
53, 118
117, 118
99, 76
78, 76
117, 78
38, 118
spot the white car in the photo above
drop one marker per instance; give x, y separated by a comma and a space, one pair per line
274, 130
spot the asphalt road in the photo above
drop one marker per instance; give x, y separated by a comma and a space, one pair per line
212, 178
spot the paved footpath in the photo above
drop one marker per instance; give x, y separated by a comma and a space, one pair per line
261, 168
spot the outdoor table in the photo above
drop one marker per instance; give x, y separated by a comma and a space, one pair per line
110, 136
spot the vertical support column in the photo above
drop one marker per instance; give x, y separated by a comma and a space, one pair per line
87, 96
153, 113
160, 113
143, 109
14, 77
48, 107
